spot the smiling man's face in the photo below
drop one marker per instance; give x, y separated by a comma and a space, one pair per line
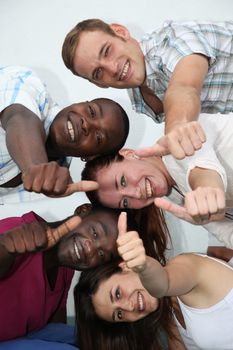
92, 243
110, 61
88, 129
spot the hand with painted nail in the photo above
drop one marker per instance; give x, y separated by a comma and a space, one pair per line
130, 246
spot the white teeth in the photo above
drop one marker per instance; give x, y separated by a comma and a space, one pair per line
148, 188
76, 250
124, 71
140, 302
70, 130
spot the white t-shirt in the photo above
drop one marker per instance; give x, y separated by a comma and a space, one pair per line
209, 328
216, 154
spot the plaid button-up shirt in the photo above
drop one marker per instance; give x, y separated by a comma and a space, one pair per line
21, 85
165, 47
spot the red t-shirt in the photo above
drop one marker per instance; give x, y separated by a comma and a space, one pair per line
26, 299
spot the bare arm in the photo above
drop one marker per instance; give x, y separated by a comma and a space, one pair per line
30, 238
25, 140
178, 277
207, 197
182, 98
183, 133
25, 136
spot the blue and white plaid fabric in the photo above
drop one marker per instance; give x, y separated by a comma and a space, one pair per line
165, 47
21, 85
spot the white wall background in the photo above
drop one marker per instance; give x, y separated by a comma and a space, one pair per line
32, 33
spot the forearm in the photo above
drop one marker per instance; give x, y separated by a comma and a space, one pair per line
200, 177
154, 278
182, 99
25, 137
181, 105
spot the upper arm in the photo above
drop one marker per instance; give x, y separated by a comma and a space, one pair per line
183, 274
190, 71
18, 113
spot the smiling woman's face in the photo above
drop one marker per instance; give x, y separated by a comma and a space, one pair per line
131, 183
122, 298
92, 243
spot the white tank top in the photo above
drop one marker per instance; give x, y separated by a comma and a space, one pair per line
210, 328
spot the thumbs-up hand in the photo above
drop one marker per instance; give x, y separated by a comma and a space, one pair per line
36, 236
130, 246
54, 235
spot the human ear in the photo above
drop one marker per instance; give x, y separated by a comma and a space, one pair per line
83, 210
120, 30
128, 153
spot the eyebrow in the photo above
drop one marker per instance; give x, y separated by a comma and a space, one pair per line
117, 187
111, 298
99, 56
104, 227
105, 132
102, 49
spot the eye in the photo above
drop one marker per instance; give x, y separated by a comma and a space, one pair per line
94, 232
107, 51
92, 112
97, 74
98, 138
118, 293
101, 253
119, 314
125, 203
123, 181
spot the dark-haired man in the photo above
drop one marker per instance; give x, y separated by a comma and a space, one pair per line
37, 137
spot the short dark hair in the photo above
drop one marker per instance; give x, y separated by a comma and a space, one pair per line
72, 39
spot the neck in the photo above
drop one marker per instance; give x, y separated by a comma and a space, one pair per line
159, 164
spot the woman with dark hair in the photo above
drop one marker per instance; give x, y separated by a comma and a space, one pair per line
199, 189
103, 335
97, 333
139, 298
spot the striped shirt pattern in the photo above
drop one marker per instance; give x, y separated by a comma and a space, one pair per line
21, 85
165, 47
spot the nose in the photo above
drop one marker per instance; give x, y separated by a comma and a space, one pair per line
126, 305
89, 124
111, 67
85, 126
89, 247
131, 192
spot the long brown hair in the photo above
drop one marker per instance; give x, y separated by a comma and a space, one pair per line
95, 333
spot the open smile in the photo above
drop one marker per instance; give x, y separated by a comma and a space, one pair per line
140, 302
124, 72
79, 251
148, 188
70, 129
